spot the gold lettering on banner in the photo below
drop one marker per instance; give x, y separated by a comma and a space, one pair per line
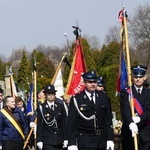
80, 86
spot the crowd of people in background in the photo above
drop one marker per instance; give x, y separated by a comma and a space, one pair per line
84, 121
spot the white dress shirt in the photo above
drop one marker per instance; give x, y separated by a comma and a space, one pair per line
89, 95
1, 105
51, 104
137, 89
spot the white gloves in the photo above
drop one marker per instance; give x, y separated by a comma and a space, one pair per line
72, 147
40, 145
136, 119
65, 144
33, 125
134, 129
110, 145
0, 147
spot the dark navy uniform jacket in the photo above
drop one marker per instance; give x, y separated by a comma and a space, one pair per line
144, 101
78, 125
51, 125
7, 129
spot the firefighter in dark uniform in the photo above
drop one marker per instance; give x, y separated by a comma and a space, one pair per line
90, 118
51, 123
139, 123
100, 84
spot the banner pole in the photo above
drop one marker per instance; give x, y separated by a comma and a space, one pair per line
129, 74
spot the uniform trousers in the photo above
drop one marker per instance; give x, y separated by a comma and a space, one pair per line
144, 146
12, 145
52, 147
127, 139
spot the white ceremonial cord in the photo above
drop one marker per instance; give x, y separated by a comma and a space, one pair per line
81, 114
66, 109
49, 123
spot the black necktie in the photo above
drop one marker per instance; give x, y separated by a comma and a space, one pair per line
92, 100
139, 91
52, 107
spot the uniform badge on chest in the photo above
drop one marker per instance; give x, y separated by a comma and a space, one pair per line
47, 117
81, 108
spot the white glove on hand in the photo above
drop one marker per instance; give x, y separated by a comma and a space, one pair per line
0, 147
72, 147
40, 145
33, 125
136, 119
134, 129
65, 144
110, 145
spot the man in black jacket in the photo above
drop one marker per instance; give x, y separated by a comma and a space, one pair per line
51, 122
139, 123
90, 118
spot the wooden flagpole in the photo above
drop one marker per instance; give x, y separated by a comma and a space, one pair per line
12, 88
129, 74
35, 97
35, 90
57, 70
29, 135
11, 82
31, 130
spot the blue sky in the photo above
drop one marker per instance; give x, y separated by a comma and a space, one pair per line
28, 23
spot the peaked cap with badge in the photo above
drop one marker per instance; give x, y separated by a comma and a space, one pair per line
139, 70
100, 81
90, 76
49, 89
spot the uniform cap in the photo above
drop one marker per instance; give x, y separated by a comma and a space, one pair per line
1, 90
139, 70
49, 89
100, 81
90, 76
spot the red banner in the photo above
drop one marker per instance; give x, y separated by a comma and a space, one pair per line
78, 68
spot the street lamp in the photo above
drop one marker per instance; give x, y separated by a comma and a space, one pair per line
68, 43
